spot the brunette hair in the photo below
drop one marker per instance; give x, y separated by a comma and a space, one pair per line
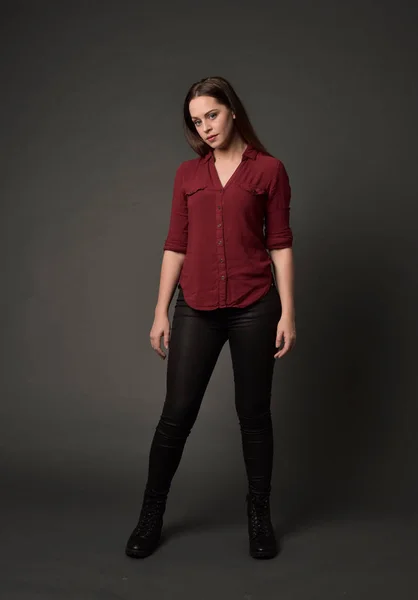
222, 90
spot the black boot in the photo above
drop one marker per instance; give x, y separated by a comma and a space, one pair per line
262, 539
145, 538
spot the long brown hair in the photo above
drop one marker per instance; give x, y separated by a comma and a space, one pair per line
222, 90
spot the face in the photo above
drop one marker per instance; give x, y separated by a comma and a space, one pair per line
212, 119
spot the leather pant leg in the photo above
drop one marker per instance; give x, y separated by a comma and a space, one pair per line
252, 336
196, 340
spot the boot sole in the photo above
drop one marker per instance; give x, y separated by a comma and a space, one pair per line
139, 553
264, 555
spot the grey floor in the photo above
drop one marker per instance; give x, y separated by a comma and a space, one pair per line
62, 543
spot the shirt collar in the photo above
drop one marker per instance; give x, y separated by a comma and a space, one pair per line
249, 152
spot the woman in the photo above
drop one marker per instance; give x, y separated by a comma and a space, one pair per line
229, 224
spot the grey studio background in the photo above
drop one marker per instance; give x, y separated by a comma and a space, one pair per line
91, 137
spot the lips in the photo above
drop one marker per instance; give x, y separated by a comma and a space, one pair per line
212, 137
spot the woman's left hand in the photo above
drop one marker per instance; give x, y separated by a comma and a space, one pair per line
286, 330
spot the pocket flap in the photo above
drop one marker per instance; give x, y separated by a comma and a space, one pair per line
193, 187
253, 189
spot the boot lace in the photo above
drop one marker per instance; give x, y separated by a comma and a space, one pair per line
150, 514
260, 516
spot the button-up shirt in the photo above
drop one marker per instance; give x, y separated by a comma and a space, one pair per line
226, 231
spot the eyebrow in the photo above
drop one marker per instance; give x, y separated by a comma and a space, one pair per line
206, 113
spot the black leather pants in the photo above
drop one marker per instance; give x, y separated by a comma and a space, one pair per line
197, 338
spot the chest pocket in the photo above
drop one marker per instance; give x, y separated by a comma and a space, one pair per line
192, 188
253, 189
195, 195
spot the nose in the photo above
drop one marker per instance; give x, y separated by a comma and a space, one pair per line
206, 126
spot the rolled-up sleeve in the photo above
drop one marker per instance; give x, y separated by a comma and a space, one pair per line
176, 239
278, 233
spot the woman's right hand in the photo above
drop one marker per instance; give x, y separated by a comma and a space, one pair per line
160, 327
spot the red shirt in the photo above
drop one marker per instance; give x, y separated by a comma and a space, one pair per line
225, 232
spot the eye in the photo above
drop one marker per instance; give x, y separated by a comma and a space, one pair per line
212, 116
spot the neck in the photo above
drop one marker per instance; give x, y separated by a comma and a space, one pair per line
232, 152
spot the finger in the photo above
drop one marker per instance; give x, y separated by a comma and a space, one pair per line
289, 345
284, 350
156, 346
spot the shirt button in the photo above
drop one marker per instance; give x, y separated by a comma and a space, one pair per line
221, 260
219, 242
219, 207
219, 224
222, 276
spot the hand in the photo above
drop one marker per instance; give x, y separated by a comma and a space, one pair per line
160, 327
286, 330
